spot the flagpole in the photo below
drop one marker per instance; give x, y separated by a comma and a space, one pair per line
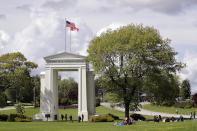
70, 40
65, 34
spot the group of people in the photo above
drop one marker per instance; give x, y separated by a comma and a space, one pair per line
66, 117
127, 121
167, 119
80, 118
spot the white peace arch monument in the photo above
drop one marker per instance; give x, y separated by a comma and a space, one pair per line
49, 85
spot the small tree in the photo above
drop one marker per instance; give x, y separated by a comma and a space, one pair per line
3, 99
20, 109
185, 91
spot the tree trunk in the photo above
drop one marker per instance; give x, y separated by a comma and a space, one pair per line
127, 103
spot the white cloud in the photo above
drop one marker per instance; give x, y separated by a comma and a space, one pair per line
2, 17
165, 6
4, 38
45, 35
60, 4
112, 26
190, 72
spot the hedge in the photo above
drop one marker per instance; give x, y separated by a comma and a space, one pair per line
102, 118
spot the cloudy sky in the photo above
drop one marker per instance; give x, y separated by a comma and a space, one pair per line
37, 27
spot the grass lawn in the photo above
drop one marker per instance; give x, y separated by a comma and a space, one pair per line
91, 126
107, 126
171, 110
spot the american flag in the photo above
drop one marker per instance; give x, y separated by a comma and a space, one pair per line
71, 25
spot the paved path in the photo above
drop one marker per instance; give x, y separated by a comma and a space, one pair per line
145, 112
12, 107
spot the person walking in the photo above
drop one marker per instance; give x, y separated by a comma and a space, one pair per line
177, 112
62, 116
194, 114
79, 119
71, 118
82, 117
66, 117
191, 115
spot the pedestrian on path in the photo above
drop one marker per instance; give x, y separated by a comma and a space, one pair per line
62, 116
177, 112
71, 118
191, 115
82, 117
79, 119
66, 117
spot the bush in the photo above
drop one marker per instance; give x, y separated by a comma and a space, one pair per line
3, 99
3, 117
98, 101
138, 117
189, 104
184, 104
180, 104
102, 118
20, 109
19, 119
13, 116
167, 103
113, 116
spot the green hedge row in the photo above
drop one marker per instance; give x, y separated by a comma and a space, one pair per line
15, 118
104, 118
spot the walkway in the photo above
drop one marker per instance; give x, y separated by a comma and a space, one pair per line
12, 107
145, 112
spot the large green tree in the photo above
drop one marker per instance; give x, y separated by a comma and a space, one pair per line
15, 72
185, 91
124, 57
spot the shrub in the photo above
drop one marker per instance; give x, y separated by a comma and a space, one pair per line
3, 99
167, 103
19, 119
189, 104
180, 104
20, 109
138, 117
98, 101
184, 104
3, 117
113, 116
13, 116
102, 118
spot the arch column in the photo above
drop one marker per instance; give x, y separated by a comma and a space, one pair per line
49, 95
82, 93
91, 93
